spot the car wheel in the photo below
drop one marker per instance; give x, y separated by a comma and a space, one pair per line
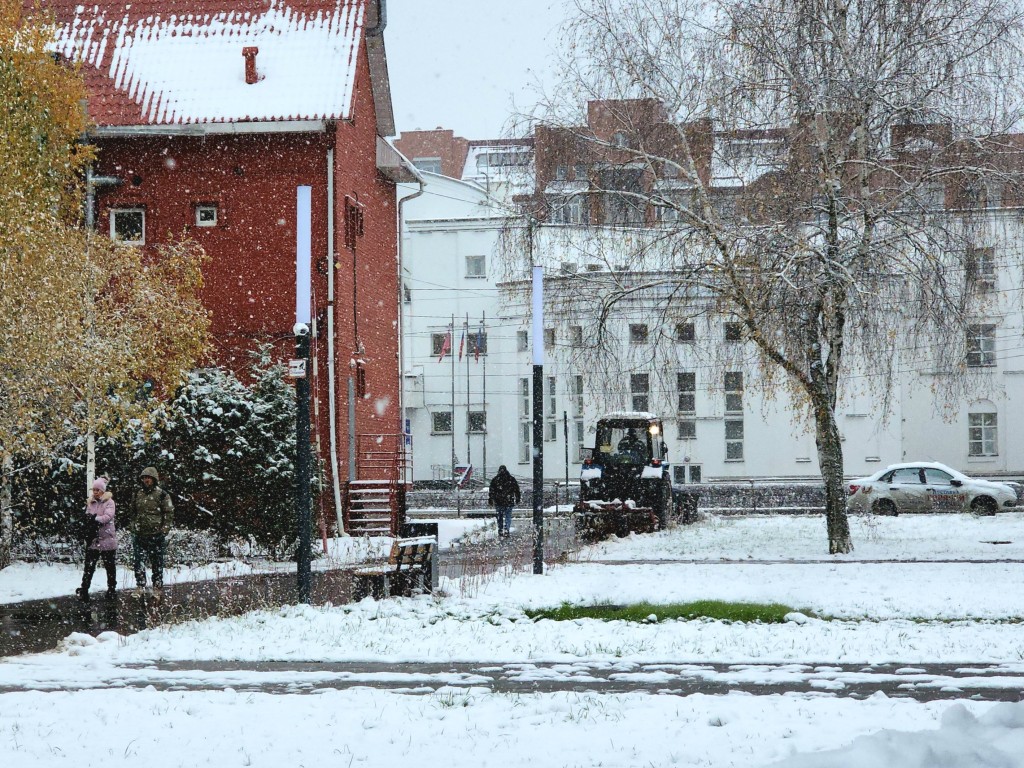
885, 507
984, 505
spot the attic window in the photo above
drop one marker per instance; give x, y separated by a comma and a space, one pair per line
206, 215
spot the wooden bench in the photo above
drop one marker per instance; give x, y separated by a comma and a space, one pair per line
408, 571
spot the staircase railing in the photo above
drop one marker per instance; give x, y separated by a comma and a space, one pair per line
383, 457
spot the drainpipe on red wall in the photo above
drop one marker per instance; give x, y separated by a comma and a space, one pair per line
332, 408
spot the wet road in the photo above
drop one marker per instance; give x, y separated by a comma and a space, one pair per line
927, 682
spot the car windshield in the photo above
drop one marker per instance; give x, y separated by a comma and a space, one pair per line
623, 444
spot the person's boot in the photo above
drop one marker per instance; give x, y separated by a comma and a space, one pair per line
82, 594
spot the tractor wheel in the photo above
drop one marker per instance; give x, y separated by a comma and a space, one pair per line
885, 507
984, 505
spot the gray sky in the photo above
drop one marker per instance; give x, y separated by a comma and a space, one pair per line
460, 63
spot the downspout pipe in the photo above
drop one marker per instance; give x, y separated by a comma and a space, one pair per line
401, 298
382, 20
332, 407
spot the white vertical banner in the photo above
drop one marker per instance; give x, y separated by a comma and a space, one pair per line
538, 315
303, 253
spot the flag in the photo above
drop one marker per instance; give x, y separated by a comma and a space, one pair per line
462, 344
446, 346
479, 344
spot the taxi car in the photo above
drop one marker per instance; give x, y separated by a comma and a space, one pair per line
927, 487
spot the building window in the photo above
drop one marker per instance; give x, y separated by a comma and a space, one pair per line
551, 431
734, 331
686, 383
733, 392
581, 171
982, 434
733, 439
552, 402
580, 437
428, 164
525, 406
561, 172
478, 421
981, 345
620, 140
525, 452
576, 335
438, 342
981, 269
638, 333
569, 209
441, 422
476, 343
640, 387
687, 429
549, 338
576, 394
522, 341
623, 200
128, 225
206, 215
686, 332
476, 266
407, 294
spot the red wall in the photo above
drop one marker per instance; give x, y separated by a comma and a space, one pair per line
250, 277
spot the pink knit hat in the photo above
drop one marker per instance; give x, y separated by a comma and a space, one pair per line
99, 484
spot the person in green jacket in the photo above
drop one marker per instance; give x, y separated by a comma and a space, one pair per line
150, 517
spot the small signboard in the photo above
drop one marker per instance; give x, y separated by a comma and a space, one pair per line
296, 369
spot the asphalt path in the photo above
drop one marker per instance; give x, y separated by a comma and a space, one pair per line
921, 682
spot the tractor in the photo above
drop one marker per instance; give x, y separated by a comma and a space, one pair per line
625, 484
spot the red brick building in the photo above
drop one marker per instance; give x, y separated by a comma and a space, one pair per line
208, 114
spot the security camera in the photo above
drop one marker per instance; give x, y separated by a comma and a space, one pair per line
301, 329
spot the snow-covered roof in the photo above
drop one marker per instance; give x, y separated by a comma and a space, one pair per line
165, 62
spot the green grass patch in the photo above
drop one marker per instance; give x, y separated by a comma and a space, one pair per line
764, 613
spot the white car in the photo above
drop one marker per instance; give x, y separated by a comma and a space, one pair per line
927, 487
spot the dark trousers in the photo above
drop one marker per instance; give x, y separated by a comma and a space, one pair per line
92, 556
149, 547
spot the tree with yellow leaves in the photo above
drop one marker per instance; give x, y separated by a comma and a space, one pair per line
84, 322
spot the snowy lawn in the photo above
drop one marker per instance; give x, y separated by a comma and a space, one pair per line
904, 612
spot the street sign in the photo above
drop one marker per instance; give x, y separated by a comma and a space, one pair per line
296, 369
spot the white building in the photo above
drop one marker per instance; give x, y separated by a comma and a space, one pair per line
719, 426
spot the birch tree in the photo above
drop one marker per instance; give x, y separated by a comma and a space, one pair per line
84, 322
829, 162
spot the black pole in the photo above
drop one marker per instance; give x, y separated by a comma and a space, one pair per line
565, 434
302, 464
538, 469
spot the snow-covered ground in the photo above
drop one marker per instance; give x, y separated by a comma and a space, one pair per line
948, 610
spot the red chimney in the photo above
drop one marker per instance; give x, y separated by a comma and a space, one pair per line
249, 53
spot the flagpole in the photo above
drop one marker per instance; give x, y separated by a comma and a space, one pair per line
465, 336
451, 335
483, 335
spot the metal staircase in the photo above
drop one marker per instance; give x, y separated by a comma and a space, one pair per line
374, 503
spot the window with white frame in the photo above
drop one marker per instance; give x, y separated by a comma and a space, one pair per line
982, 434
981, 345
733, 392
687, 429
733, 331
476, 343
478, 421
437, 343
525, 442
686, 384
551, 431
441, 422
733, 439
522, 341
128, 225
581, 434
549, 338
525, 410
576, 385
206, 215
981, 269
638, 333
576, 335
569, 209
640, 389
428, 164
476, 266
686, 332
552, 402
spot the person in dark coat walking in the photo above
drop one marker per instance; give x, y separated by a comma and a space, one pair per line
503, 495
103, 543
150, 517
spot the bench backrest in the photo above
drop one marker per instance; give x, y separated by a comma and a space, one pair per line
416, 551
